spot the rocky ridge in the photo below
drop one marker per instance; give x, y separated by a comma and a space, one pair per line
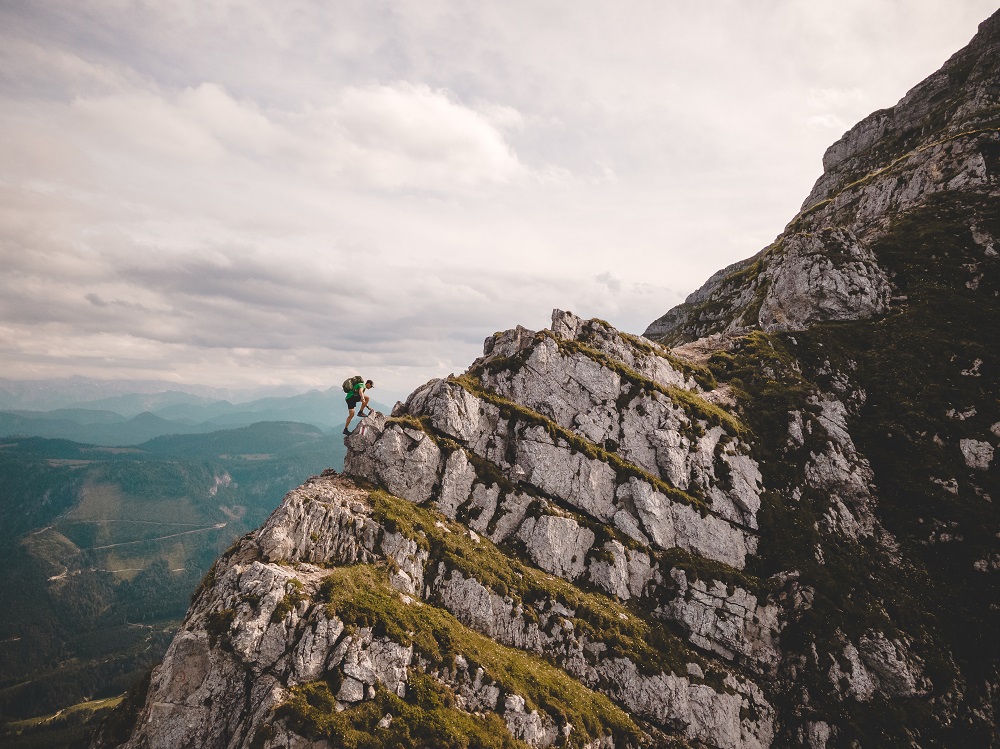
592, 454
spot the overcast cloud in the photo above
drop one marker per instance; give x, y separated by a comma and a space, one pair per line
244, 192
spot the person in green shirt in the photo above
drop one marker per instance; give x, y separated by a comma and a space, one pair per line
355, 396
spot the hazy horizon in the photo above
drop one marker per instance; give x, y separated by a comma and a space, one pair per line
254, 195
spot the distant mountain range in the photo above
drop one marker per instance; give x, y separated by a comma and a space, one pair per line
67, 392
134, 417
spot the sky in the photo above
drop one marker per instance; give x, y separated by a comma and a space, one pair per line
248, 193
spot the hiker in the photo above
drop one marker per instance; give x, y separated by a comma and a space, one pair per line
356, 394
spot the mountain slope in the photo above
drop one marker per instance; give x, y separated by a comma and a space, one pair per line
880, 303
622, 485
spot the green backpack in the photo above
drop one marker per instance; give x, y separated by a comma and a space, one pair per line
351, 382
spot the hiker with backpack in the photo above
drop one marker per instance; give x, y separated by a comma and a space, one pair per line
355, 388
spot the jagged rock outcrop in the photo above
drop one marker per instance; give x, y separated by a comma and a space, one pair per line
562, 426
942, 137
779, 533
592, 458
272, 622
262, 625
595, 453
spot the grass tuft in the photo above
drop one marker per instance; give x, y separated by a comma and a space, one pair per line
623, 468
361, 596
626, 632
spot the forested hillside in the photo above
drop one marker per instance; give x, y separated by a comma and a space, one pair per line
101, 548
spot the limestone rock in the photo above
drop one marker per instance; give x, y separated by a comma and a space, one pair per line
667, 699
529, 726
720, 720
556, 544
978, 454
728, 622
879, 665
897, 670
937, 139
260, 629
581, 414
825, 277
391, 459
622, 572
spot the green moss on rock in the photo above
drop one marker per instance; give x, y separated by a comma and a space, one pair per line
627, 632
426, 718
289, 601
217, 624
623, 469
361, 596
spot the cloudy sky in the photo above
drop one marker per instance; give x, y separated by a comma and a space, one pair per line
245, 192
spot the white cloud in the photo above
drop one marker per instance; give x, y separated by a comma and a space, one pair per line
412, 136
392, 137
611, 281
239, 126
144, 125
830, 122
832, 98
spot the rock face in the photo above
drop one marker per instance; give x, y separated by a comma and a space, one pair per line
286, 622
597, 457
860, 347
511, 512
780, 533
566, 429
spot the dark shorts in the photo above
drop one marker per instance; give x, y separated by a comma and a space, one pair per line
353, 401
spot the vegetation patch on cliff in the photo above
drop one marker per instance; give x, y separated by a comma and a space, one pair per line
931, 376
426, 717
294, 595
916, 382
699, 568
361, 595
623, 468
625, 632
